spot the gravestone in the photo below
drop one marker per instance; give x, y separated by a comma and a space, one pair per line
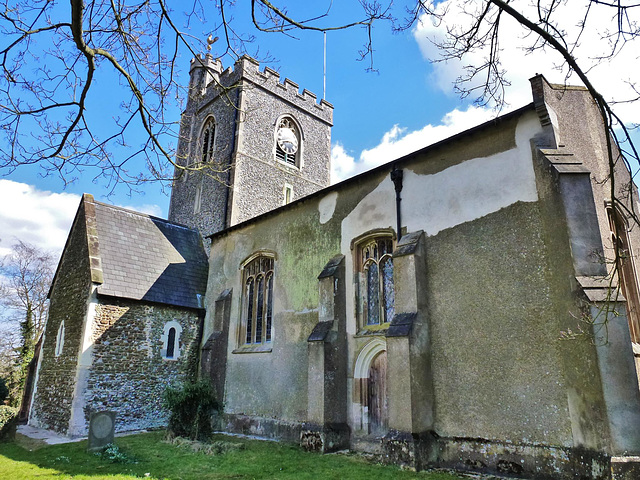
101, 430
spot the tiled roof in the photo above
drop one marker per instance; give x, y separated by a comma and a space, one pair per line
147, 258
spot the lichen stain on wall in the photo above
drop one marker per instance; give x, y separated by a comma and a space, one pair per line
303, 252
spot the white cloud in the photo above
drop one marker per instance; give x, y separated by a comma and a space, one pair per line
398, 142
609, 77
520, 63
39, 217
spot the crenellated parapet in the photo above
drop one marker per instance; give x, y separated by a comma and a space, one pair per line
207, 77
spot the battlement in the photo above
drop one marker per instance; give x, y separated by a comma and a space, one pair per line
207, 74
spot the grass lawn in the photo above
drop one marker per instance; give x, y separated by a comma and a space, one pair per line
148, 456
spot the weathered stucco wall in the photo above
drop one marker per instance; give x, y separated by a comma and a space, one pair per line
497, 374
273, 384
56, 377
493, 334
498, 294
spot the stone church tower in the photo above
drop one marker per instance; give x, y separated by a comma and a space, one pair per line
249, 144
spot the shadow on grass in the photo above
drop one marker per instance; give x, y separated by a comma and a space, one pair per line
148, 456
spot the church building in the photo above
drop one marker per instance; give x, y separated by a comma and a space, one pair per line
462, 306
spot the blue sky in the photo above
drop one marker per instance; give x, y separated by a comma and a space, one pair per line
407, 103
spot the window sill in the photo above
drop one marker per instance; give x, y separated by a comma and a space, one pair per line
373, 330
264, 348
291, 166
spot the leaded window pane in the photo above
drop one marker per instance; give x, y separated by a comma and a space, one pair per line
377, 271
388, 294
373, 294
269, 306
259, 309
258, 300
249, 321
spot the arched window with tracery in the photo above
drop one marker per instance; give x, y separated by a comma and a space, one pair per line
288, 141
626, 270
377, 294
207, 140
257, 319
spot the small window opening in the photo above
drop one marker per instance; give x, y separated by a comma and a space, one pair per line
171, 340
171, 343
197, 204
60, 340
288, 194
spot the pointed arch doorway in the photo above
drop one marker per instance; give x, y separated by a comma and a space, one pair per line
370, 402
377, 394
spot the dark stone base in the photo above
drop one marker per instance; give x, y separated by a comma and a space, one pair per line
325, 439
528, 460
420, 451
410, 450
625, 468
258, 426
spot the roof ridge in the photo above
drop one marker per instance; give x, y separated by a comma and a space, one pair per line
141, 214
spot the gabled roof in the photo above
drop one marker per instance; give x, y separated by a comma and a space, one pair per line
141, 257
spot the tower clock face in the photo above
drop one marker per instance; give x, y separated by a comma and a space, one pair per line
287, 140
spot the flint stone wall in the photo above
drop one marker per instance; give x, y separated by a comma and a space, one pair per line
128, 374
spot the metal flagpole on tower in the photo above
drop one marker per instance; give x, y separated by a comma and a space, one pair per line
324, 69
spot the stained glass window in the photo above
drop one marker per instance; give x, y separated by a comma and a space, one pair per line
258, 300
377, 274
624, 262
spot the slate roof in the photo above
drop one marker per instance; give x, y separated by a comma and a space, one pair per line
147, 258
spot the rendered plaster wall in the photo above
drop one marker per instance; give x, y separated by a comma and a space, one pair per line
577, 354
497, 371
583, 145
272, 385
56, 378
127, 373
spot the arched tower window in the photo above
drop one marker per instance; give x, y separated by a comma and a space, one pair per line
288, 141
257, 301
377, 294
207, 140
